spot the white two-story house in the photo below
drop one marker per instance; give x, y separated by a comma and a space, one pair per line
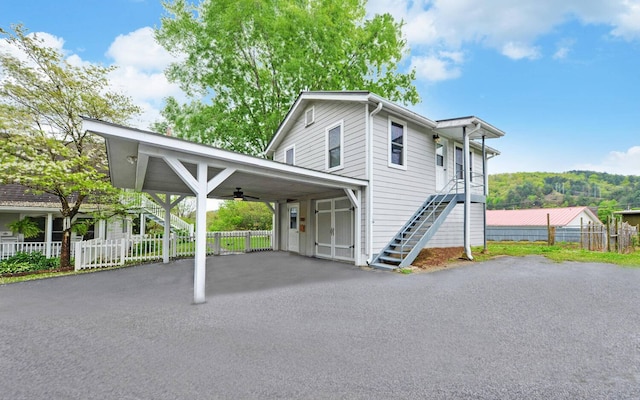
415, 168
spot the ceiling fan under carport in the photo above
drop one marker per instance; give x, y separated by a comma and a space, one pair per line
238, 195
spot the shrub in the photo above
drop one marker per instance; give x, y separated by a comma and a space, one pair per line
22, 262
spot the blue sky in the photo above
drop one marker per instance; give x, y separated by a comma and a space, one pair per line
562, 79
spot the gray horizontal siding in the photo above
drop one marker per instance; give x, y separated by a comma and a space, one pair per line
398, 193
451, 233
309, 141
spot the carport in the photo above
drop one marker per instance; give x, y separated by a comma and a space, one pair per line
158, 164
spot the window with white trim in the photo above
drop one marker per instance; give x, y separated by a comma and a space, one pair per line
334, 146
397, 144
290, 155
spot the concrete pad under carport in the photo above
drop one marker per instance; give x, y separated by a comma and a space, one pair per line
508, 328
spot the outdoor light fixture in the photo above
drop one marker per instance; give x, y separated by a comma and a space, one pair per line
238, 195
436, 138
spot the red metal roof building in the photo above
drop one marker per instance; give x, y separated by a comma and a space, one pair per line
568, 216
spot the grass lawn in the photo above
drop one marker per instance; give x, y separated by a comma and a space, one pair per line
559, 252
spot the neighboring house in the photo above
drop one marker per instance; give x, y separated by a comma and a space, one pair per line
17, 202
531, 224
632, 217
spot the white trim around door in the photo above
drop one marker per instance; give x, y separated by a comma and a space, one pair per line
334, 229
293, 223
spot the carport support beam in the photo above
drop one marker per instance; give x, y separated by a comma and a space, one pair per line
200, 269
201, 188
356, 202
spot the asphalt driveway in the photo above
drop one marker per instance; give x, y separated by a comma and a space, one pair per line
282, 326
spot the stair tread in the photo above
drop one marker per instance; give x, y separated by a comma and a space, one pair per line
394, 251
390, 259
386, 267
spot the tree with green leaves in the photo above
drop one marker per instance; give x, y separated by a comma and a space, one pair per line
42, 145
240, 216
247, 60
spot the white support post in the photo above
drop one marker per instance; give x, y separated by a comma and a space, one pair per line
485, 192
200, 270
166, 247
200, 187
143, 224
275, 228
355, 200
49, 234
358, 229
467, 195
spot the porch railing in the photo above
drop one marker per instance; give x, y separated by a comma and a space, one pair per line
99, 253
476, 184
140, 201
8, 249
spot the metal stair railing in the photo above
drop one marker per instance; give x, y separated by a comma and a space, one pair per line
438, 199
137, 200
415, 224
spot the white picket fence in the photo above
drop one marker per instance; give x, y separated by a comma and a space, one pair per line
100, 253
8, 249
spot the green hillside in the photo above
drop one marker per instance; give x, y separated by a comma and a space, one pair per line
608, 192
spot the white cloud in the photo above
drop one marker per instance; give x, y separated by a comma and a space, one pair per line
49, 40
139, 49
563, 48
617, 162
512, 28
141, 62
439, 67
518, 51
627, 24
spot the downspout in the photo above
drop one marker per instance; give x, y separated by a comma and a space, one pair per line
370, 179
467, 195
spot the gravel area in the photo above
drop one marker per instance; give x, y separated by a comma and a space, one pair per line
281, 326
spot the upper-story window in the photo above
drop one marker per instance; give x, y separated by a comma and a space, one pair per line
397, 144
290, 155
334, 146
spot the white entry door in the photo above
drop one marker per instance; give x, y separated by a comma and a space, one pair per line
334, 229
294, 227
441, 169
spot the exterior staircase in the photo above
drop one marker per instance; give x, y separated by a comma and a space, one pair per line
141, 204
405, 246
